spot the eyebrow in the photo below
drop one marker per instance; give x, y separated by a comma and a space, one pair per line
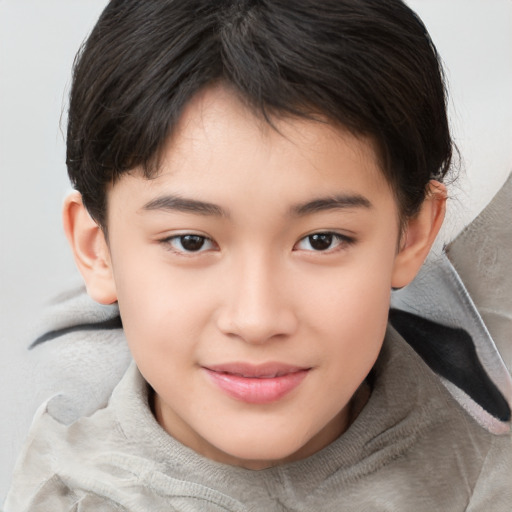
337, 202
181, 204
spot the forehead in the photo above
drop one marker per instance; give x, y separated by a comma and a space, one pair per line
217, 117
220, 147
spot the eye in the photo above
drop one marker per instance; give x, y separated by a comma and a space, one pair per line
323, 242
189, 243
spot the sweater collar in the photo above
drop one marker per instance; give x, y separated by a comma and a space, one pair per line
404, 402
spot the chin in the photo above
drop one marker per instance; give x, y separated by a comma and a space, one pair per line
260, 452
260, 459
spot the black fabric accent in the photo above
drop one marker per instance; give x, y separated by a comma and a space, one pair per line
111, 323
450, 352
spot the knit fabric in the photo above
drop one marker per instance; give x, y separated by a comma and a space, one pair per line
413, 447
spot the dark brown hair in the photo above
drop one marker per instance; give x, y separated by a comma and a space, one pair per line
367, 65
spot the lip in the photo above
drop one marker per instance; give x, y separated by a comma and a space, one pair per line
257, 384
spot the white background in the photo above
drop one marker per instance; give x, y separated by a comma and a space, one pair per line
38, 41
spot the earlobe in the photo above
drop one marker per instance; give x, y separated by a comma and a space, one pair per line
90, 249
419, 235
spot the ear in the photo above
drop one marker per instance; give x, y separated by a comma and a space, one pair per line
419, 235
90, 249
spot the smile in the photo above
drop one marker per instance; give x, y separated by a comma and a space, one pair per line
260, 384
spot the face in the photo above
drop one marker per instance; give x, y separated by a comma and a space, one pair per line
253, 276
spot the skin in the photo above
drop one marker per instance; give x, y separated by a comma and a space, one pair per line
258, 289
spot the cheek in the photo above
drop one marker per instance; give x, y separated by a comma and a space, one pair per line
355, 295
162, 309
352, 316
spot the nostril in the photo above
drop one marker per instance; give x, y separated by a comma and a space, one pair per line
257, 329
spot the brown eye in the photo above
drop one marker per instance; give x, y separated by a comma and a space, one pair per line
192, 243
320, 241
189, 243
324, 242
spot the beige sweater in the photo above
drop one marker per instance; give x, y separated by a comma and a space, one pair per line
412, 448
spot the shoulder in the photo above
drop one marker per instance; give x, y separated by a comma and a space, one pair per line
436, 371
493, 488
44, 478
54, 495
116, 459
441, 457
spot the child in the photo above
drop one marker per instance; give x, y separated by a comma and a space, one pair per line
252, 179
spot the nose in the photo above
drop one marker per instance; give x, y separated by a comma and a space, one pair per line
258, 305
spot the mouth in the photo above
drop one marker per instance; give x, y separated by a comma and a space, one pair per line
256, 384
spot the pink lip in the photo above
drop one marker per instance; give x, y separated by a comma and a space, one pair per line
261, 384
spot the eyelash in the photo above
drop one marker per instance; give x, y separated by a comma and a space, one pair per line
341, 242
169, 243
